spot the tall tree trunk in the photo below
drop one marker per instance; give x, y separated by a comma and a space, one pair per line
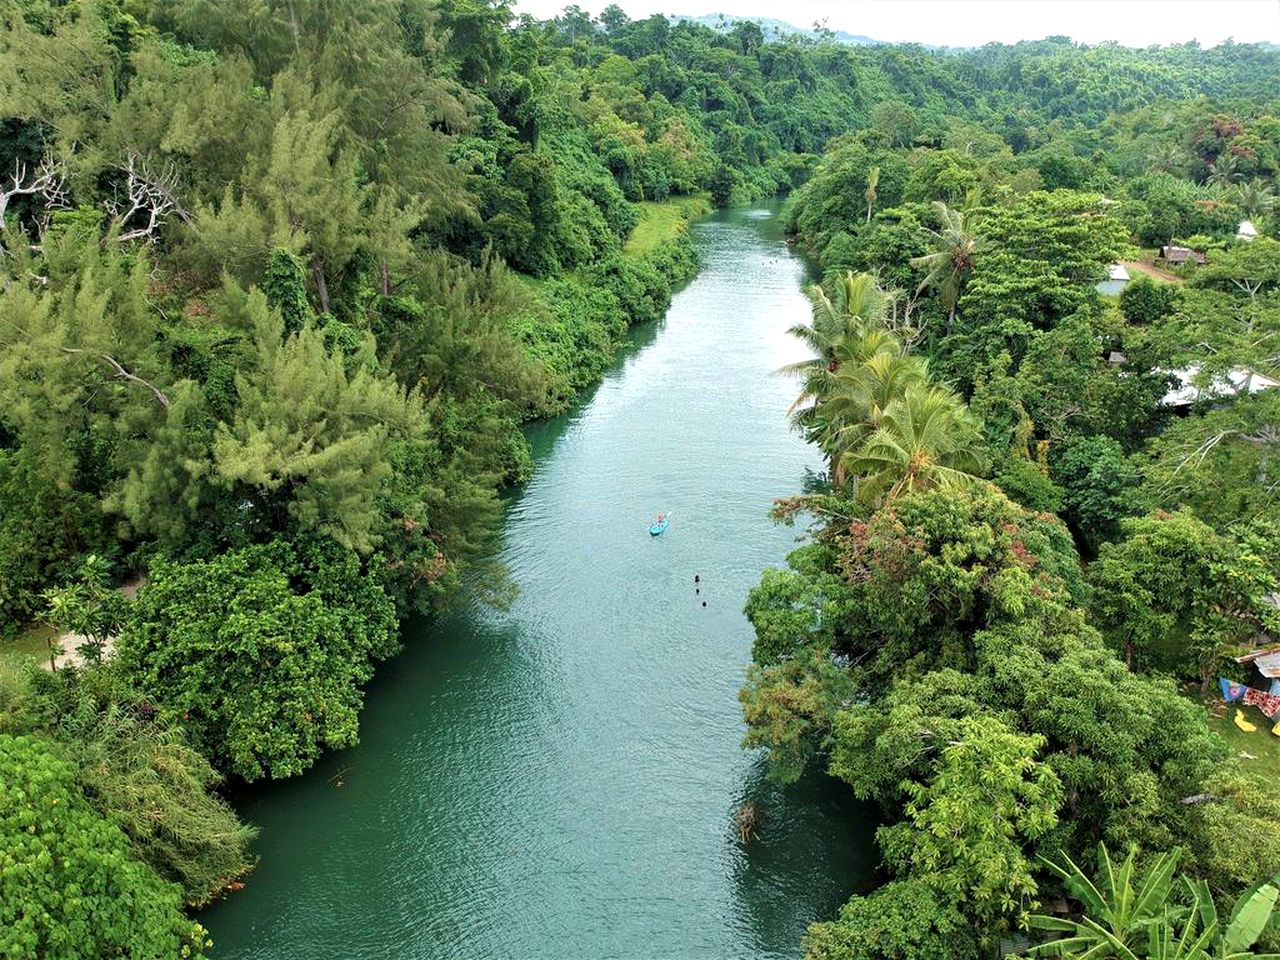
386, 279
322, 288
293, 28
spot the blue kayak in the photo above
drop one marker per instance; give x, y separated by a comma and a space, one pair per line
660, 526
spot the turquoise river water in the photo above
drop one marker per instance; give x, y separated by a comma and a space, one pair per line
559, 780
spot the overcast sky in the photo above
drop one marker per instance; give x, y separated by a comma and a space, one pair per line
967, 23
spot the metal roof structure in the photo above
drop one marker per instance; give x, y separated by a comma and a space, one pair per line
1268, 665
1236, 381
1172, 254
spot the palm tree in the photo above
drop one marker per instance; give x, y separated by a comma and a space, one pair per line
1226, 171
856, 401
1170, 158
873, 181
810, 414
846, 328
1254, 198
856, 302
926, 438
948, 264
837, 395
857, 298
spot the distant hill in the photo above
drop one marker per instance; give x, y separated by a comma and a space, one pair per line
774, 29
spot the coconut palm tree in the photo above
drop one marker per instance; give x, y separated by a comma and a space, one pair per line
948, 264
846, 327
1226, 171
857, 299
1170, 158
809, 413
873, 181
856, 302
1254, 198
926, 438
857, 398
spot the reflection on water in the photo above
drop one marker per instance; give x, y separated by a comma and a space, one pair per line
799, 865
559, 780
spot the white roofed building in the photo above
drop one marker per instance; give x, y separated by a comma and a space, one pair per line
1117, 277
1184, 392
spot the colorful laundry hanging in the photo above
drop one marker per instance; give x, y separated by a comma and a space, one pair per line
1231, 691
1268, 703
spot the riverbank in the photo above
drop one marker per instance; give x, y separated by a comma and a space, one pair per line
665, 222
584, 320
275, 626
584, 315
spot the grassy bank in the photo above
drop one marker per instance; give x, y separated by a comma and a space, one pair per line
1261, 746
32, 642
663, 221
585, 314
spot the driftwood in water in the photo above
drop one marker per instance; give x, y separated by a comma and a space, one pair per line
747, 820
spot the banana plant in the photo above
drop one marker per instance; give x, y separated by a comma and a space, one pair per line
1119, 911
1248, 918
1202, 937
1126, 919
1166, 943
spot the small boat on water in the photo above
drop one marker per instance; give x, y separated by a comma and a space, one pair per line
660, 525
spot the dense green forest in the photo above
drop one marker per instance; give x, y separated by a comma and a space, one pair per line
281, 280
1052, 523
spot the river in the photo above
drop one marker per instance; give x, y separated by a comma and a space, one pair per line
559, 780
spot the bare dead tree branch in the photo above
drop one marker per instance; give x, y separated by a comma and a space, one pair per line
150, 193
1198, 798
121, 372
48, 182
899, 320
1267, 435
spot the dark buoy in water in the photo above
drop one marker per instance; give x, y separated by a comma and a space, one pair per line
704, 603
696, 578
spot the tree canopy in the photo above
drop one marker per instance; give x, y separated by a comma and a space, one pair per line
280, 282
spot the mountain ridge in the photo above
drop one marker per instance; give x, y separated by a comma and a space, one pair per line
775, 29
